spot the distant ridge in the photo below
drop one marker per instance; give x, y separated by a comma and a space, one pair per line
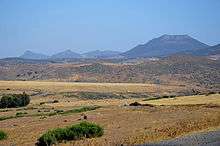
102, 54
164, 46
32, 55
68, 54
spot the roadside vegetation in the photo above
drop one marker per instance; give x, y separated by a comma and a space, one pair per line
74, 132
14, 100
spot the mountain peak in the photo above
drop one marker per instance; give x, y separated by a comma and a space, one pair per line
174, 37
165, 45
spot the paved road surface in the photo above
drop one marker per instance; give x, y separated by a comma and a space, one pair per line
200, 139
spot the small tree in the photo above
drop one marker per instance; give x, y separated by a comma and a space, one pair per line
14, 100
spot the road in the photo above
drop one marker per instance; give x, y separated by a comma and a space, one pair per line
200, 139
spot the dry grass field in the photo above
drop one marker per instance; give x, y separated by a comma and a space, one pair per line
188, 100
92, 87
123, 124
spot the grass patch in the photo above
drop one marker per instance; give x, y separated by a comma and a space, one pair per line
103, 95
93, 95
21, 114
74, 132
80, 110
56, 112
3, 135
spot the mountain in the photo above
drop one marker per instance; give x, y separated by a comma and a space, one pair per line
102, 54
68, 54
165, 46
32, 55
213, 50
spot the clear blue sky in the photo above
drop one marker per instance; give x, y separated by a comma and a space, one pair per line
50, 26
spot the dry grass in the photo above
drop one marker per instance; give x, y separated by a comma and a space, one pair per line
122, 124
90, 87
184, 100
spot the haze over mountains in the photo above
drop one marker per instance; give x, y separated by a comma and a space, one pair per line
68, 54
163, 46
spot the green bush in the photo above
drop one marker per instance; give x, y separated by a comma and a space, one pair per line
14, 100
74, 132
3, 135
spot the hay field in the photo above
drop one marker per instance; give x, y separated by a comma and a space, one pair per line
188, 100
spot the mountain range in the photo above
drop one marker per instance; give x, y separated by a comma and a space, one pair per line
162, 46
68, 54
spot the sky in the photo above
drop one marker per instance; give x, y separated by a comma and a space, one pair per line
51, 26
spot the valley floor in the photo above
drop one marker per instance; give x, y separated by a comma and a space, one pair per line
157, 120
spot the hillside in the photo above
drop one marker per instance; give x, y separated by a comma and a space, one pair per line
164, 46
213, 50
184, 70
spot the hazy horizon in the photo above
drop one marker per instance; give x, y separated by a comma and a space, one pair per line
51, 26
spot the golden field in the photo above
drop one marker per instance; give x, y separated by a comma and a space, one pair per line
123, 124
188, 100
93, 87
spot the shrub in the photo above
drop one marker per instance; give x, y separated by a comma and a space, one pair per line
3, 135
74, 132
135, 104
14, 100
139, 104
